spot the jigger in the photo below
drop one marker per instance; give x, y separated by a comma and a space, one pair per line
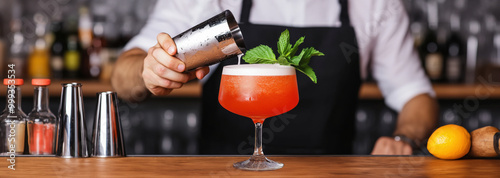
71, 131
107, 136
211, 41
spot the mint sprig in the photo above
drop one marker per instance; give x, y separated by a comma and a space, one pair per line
263, 54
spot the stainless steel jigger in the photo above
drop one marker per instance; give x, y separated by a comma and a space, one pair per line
107, 136
71, 134
211, 41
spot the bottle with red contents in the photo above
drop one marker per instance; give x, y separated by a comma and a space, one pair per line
41, 121
12, 120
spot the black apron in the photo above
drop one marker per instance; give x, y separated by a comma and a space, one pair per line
322, 122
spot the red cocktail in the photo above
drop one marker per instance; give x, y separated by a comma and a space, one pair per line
258, 91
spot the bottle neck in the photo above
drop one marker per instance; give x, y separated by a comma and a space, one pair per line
13, 99
41, 98
432, 14
454, 22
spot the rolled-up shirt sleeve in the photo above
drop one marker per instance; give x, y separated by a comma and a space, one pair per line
172, 17
395, 63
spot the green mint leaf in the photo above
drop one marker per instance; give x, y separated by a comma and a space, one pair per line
283, 61
295, 47
261, 54
284, 43
296, 59
306, 69
307, 53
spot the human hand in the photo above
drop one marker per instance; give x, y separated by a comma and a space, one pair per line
389, 146
163, 72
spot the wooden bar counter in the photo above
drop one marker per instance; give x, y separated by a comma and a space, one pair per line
221, 166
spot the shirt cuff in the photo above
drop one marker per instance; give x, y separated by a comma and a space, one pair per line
398, 98
139, 42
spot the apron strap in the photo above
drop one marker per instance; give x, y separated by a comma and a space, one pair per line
245, 11
344, 12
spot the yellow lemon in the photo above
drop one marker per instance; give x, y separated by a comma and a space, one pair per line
449, 142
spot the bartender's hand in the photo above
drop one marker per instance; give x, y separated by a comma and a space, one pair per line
389, 146
163, 72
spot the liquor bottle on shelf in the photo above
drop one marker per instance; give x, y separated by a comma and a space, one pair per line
492, 70
85, 27
417, 16
57, 50
41, 121
455, 52
17, 50
12, 120
72, 53
92, 67
85, 39
38, 61
490, 67
472, 47
430, 50
72, 57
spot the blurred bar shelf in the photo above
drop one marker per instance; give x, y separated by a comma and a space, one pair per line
443, 91
91, 87
194, 90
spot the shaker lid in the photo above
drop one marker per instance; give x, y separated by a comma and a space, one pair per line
40, 82
16, 81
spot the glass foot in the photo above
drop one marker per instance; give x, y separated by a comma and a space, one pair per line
258, 163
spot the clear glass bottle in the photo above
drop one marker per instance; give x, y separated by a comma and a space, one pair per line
41, 121
12, 120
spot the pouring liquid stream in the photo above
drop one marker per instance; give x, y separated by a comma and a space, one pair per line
239, 58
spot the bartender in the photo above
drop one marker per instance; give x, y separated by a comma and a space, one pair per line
357, 37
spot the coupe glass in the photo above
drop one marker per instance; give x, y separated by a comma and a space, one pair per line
258, 91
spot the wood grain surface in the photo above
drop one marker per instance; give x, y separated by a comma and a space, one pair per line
221, 166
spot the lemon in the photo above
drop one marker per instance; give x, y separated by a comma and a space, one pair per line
449, 142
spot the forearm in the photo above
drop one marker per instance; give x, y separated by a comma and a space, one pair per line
418, 118
127, 79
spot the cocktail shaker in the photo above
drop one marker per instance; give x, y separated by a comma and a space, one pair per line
210, 42
107, 136
71, 134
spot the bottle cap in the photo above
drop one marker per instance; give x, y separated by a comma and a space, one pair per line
16, 81
40, 82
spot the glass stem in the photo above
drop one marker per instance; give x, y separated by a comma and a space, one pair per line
258, 140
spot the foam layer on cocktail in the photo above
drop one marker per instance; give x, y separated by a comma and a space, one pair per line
258, 70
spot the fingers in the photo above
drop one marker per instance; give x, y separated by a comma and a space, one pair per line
389, 146
166, 60
202, 72
162, 71
167, 43
157, 85
407, 150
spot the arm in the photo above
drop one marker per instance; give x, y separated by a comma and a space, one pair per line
397, 69
157, 71
416, 121
130, 85
138, 72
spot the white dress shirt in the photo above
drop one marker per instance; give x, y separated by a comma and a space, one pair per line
381, 26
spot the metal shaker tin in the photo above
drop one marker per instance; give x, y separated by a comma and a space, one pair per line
210, 42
